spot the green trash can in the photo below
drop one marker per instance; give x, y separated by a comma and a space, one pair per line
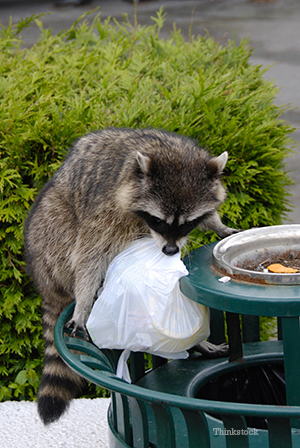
160, 409
177, 404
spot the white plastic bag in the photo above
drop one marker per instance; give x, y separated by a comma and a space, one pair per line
141, 307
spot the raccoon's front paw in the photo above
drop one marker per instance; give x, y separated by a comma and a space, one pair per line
212, 351
229, 231
76, 329
235, 230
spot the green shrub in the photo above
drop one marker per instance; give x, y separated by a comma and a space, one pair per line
111, 74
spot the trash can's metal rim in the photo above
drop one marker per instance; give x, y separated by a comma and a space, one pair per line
230, 253
202, 286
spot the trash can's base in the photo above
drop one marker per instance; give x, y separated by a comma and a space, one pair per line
217, 432
114, 439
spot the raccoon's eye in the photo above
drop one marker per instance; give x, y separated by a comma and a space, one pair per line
155, 223
188, 226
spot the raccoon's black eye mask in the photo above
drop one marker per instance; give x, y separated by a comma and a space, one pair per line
171, 230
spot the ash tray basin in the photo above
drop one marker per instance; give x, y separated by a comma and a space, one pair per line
256, 246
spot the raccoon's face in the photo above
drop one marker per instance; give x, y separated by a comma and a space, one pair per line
171, 233
178, 195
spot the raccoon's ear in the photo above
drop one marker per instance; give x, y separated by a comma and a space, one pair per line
144, 162
217, 164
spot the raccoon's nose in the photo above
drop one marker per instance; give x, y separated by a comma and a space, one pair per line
170, 249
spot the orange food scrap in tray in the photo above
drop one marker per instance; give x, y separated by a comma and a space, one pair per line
280, 269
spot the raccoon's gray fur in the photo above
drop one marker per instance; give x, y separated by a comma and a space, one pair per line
115, 186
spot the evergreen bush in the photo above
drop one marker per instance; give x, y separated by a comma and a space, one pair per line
116, 74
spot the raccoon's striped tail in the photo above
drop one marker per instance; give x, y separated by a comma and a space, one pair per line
59, 384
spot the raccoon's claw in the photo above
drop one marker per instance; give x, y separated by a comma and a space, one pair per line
83, 331
76, 329
235, 230
228, 231
212, 351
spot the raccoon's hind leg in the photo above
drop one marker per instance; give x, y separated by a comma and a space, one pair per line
59, 384
212, 351
90, 268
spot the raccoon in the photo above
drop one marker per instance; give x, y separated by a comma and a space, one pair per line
116, 185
